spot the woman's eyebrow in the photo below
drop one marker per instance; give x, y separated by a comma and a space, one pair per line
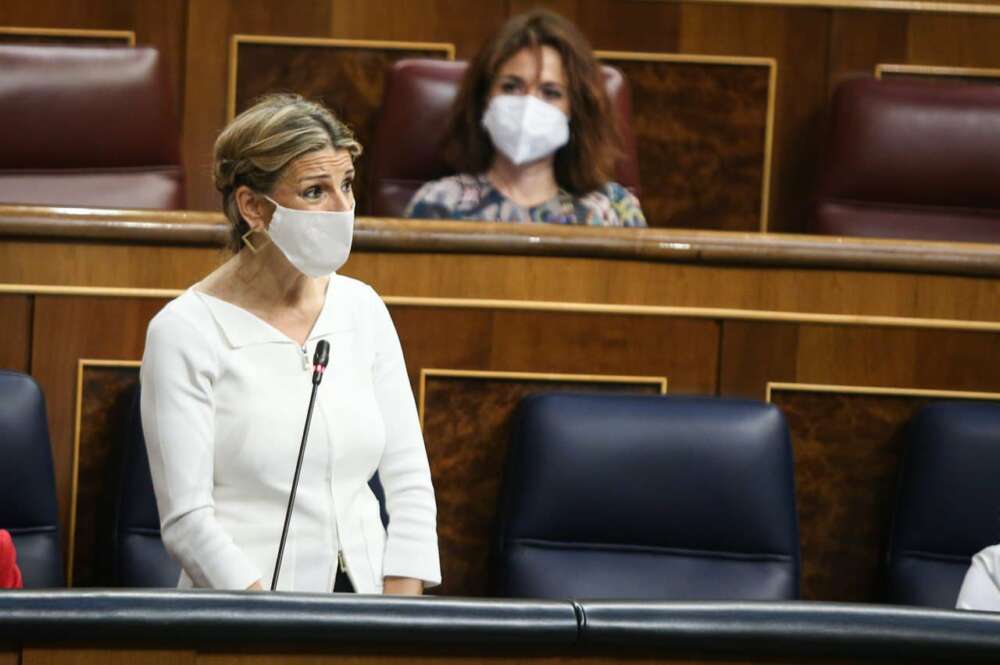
315, 176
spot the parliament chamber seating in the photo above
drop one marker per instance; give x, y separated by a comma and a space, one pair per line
947, 506
913, 159
648, 497
88, 126
139, 558
27, 486
411, 127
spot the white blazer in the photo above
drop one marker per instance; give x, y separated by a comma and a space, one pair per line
981, 587
224, 399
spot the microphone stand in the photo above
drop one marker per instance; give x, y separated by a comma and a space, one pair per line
320, 360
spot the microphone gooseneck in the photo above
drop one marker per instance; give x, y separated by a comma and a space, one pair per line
320, 360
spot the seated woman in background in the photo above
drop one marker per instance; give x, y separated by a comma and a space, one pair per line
532, 135
226, 380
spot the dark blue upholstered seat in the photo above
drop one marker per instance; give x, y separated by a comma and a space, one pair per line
140, 559
948, 506
648, 497
27, 483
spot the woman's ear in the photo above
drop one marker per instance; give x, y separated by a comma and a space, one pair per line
253, 208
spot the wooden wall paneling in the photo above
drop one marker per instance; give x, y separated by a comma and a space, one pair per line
754, 353
797, 38
11, 657
617, 25
466, 422
860, 39
847, 446
494, 339
954, 40
15, 338
347, 75
703, 129
210, 24
105, 391
449, 21
46, 655
67, 329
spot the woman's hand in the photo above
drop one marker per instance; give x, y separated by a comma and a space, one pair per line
256, 586
402, 586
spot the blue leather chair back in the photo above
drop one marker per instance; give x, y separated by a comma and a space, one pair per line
948, 506
27, 483
140, 559
647, 497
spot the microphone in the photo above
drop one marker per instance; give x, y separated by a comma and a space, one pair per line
320, 360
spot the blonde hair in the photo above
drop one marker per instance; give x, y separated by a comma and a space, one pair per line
258, 145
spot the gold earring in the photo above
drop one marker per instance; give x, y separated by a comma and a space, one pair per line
246, 241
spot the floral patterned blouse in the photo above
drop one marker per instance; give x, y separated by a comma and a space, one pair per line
473, 197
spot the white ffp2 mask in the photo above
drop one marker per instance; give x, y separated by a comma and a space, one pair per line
316, 242
524, 128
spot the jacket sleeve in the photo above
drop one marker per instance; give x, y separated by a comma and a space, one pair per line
177, 376
411, 547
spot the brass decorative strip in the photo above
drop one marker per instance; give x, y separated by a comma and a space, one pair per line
876, 390
915, 6
660, 381
934, 70
127, 36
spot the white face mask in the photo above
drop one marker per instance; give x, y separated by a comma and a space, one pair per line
524, 128
314, 241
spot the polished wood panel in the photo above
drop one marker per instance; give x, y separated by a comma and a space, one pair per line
66, 36
15, 347
107, 656
107, 393
347, 76
466, 423
70, 329
847, 450
702, 130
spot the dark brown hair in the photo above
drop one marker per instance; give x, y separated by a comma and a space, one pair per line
587, 161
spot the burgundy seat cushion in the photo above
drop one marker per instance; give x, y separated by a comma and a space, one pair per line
89, 126
411, 128
912, 159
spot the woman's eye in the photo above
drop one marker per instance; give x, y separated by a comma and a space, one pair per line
509, 87
312, 193
347, 186
552, 93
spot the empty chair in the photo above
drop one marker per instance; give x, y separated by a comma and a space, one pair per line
28, 507
647, 497
87, 126
911, 159
139, 557
412, 123
948, 506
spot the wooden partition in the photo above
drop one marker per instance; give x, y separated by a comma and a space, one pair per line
848, 337
705, 154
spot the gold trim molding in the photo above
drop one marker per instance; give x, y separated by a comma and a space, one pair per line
659, 381
128, 36
733, 61
934, 70
235, 40
81, 365
876, 390
915, 6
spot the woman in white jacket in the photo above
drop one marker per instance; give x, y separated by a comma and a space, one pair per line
226, 378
